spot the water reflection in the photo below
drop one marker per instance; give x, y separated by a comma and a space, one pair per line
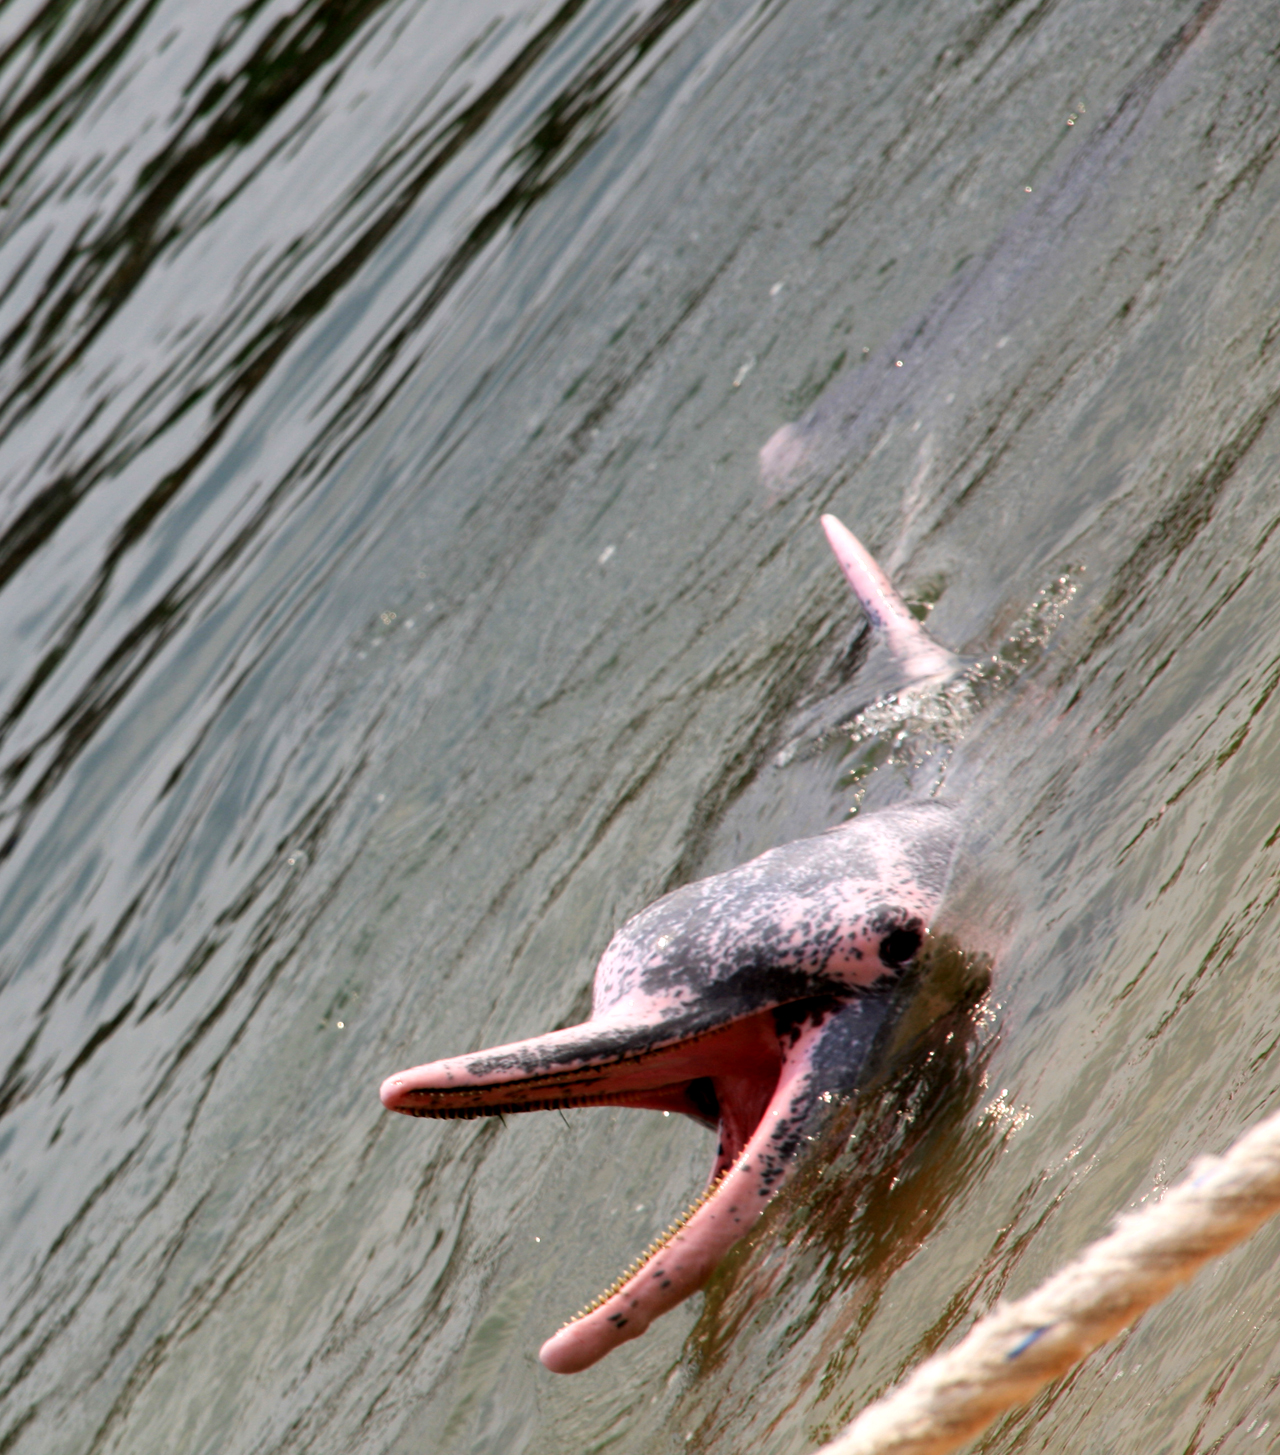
175, 195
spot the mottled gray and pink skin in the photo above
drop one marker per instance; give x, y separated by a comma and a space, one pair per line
746, 1001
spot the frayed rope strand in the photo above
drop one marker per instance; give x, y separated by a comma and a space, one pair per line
1019, 1347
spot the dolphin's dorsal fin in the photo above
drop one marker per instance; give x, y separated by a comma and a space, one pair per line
914, 648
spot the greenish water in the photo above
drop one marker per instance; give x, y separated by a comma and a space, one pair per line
394, 601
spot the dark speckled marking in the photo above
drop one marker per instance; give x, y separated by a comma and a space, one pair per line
838, 1061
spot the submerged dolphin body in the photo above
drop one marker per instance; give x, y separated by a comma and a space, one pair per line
745, 1001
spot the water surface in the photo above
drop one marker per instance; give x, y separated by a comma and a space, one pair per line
395, 601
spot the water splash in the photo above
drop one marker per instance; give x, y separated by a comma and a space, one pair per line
917, 730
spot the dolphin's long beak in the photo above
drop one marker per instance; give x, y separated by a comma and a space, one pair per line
757, 1078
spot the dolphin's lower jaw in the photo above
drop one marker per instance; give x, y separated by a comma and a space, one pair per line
758, 1079
681, 1264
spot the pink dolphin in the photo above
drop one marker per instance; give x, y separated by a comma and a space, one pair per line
745, 1001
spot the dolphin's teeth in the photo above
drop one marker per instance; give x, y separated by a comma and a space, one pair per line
651, 1252
469, 1113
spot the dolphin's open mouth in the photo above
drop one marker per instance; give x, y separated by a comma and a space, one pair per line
755, 1078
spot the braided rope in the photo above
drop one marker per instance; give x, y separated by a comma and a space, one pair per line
1019, 1347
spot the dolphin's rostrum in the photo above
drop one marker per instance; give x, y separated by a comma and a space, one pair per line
743, 1000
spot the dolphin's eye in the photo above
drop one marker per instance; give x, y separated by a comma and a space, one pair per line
899, 945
